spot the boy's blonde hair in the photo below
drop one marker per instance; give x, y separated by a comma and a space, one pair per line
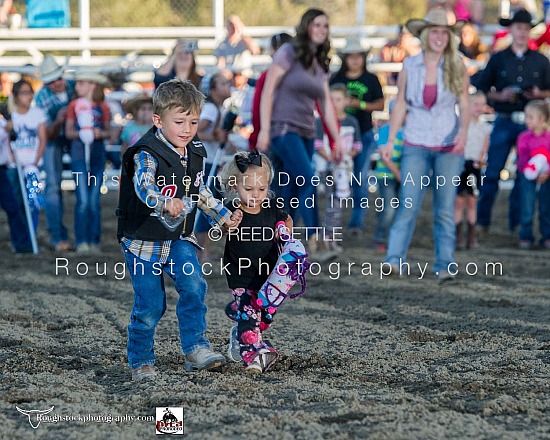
230, 174
177, 93
540, 106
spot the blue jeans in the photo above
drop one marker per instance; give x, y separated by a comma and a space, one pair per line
417, 162
150, 302
528, 192
295, 154
503, 137
87, 212
13, 176
54, 200
385, 216
361, 164
19, 233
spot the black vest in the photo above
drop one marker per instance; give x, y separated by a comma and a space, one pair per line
134, 216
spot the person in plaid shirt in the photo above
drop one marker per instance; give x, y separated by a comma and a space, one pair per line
53, 98
162, 174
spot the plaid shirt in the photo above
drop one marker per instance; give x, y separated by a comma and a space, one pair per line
149, 193
51, 102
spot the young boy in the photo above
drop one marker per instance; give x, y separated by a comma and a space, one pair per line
159, 173
350, 139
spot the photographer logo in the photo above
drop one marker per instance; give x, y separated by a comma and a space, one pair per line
34, 415
169, 421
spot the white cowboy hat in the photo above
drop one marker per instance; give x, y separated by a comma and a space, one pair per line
92, 77
434, 17
49, 70
242, 63
353, 45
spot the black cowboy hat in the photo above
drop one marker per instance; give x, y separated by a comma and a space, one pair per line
521, 16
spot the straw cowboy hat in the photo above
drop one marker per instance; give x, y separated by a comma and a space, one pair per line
92, 77
434, 17
353, 45
132, 105
49, 70
521, 16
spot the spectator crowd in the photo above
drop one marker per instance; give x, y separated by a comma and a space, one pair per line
311, 119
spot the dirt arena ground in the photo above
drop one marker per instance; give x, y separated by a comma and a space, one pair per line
362, 357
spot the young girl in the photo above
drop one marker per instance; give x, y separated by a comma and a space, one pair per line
29, 126
477, 144
535, 138
141, 109
257, 289
365, 96
88, 168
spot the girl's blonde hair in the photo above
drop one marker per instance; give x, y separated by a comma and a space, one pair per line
542, 107
453, 66
230, 174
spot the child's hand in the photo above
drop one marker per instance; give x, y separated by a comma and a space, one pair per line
337, 152
62, 115
235, 219
386, 152
173, 207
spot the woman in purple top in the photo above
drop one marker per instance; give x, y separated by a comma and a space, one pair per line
297, 79
430, 87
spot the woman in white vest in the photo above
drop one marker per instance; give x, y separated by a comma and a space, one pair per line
432, 108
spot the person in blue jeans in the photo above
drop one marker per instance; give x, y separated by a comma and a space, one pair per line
19, 232
511, 79
53, 98
365, 97
296, 79
88, 176
534, 141
431, 85
161, 173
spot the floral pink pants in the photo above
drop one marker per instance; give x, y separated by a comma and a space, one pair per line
252, 321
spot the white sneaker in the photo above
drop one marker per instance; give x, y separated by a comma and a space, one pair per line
445, 277
144, 372
83, 249
95, 248
203, 359
234, 350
